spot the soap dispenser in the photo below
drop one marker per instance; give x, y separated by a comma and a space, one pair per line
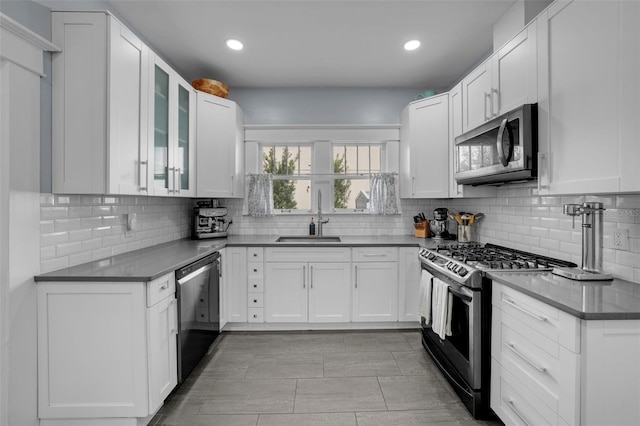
312, 228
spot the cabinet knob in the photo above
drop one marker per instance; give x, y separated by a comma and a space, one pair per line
255, 315
255, 254
255, 286
255, 300
255, 270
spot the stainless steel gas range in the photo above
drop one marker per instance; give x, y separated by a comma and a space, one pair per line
464, 354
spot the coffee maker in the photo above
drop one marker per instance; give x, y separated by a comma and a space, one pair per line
210, 222
439, 225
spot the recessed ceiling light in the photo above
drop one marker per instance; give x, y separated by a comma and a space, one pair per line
412, 45
234, 44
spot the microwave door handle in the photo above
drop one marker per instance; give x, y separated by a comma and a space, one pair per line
504, 158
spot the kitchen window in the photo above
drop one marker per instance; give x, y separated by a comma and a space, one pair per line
338, 161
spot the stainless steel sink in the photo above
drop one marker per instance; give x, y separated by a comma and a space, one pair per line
308, 239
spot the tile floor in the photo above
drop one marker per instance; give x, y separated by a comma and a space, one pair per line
368, 378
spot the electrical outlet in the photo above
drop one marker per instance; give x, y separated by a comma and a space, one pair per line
621, 239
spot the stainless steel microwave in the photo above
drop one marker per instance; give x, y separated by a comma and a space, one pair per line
504, 149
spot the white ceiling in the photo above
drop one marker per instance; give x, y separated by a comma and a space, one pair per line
318, 43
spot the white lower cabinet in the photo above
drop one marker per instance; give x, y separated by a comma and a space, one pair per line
234, 284
299, 291
549, 367
106, 350
375, 284
409, 284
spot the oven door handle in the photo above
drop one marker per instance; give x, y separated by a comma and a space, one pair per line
460, 294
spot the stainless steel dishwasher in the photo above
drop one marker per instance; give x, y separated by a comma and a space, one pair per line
198, 293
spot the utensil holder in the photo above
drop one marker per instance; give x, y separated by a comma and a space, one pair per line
464, 233
421, 229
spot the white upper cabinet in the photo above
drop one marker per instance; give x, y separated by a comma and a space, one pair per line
171, 129
100, 87
424, 148
220, 139
589, 97
455, 130
503, 82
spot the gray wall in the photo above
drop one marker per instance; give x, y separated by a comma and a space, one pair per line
323, 105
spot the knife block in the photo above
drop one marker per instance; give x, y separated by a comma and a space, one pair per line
421, 229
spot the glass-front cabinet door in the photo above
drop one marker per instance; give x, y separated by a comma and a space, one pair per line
173, 133
184, 164
160, 131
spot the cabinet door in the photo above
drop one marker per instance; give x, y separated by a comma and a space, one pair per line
476, 93
234, 284
514, 73
285, 292
409, 284
587, 143
329, 292
425, 149
161, 173
163, 363
79, 97
92, 354
128, 92
375, 291
184, 162
216, 138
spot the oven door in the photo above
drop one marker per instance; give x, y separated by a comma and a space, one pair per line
462, 350
499, 151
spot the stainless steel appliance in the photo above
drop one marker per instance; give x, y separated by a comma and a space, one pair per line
592, 226
198, 293
504, 149
439, 225
464, 357
210, 222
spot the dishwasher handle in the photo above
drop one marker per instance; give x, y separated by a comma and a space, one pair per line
195, 273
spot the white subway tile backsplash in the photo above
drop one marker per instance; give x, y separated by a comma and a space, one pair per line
68, 248
53, 238
53, 212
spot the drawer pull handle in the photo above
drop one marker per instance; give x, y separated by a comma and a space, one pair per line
524, 358
163, 287
374, 254
511, 405
531, 314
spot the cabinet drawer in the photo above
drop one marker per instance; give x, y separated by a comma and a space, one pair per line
256, 284
306, 254
514, 403
529, 356
160, 288
255, 254
256, 315
256, 300
255, 269
375, 254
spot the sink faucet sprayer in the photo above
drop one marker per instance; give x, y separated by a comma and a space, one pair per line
320, 221
591, 243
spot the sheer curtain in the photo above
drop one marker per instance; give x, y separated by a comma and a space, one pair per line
260, 198
384, 197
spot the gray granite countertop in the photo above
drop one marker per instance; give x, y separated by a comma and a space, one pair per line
150, 263
590, 300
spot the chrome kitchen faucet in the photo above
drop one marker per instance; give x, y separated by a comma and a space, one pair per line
591, 243
320, 221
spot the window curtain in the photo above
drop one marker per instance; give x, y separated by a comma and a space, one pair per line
260, 198
384, 197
